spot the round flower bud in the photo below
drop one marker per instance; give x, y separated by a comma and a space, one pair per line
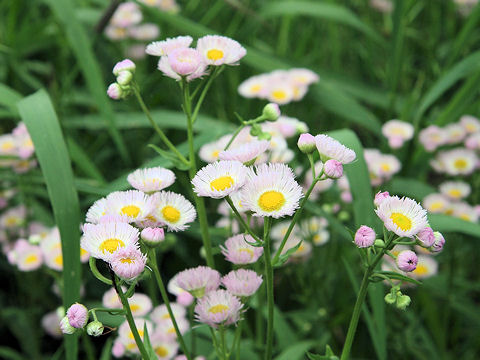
403, 301
152, 236
95, 328
271, 112
34, 239
407, 260
77, 315
66, 327
379, 197
426, 237
364, 237
306, 143
438, 243
124, 78
333, 169
114, 91
264, 136
390, 298
124, 65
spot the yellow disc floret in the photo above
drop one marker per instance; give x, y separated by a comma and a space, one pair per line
131, 210
215, 54
218, 308
403, 222
271, 201
222, 183
111, 245
171, 214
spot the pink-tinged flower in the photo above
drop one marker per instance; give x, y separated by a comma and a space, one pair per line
184, 298
165, 348
436, 203
132, 203
126, 15
199, 281
77, 315
271, 112
151, 179
118, 349
51, 324
306, 143
426, 237
128, 262
245, 153
287, 127
470, 123
165, 66
365, 236
210, 152
457, 161
330, 148
254, 87
407, 260
115, 33
238, 251
173, 210
166, 329
432, 137
439, 242
160, 313
136, 51
218, 50
124, 65
279, 92
472, 142
379, 197
397, 132
242, 283
185, 61
140, 304
111, 300
27, 257
455, 133
303, 77
455, 190
126, 336
333, 169
218, 308
152, 236
144, 32
115, 92
165, 47
427, 266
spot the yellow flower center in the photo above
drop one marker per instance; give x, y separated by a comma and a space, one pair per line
127, 260
455, 193
58, 260
11, 221
215, 54
134, 307
222, 183
401, 221
161, 351
31, 259
8, 145
460, 164
255, 88
436, 206
215, 154
421, 270
248, 251
271, 201
171, 214
111, 245
385, 167
279, 95
471, 128
131, 210
464, 217
218, 308
140, 332
83, 252
166, 316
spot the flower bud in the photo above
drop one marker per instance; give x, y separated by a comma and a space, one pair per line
407, 260
264, 136
114, 91
333, 169
34, 239
379, 243
77, 315
124, 65
271, 112
124, 78
426, 237
255, 130
66, 327
152, 236
95, 328
306, 143
390, 298
379, 197
403, 301
346, 196
185, 299
364, 237
438, 243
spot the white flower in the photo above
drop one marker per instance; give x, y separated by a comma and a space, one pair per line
436, 203
331, 149
455, 190
210, 152
173, 210
218, 50
151, 179
457, 161
132, 203
426, 266
246, 152
470, 123
397, 132
165, 47
254, 87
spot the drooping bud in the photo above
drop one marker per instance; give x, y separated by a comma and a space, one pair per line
333, 169
77, 315
306, 143
438, 243
124, 65
95, 328
152, 236
271, 112
403, 301
115, 91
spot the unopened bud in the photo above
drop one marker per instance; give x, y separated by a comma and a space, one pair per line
115, 91
306, 143
124, 78
439, 242
403, 301
333, 169
271, 112
390, 298
124, 65
95, 328
152, 236
364, 237
66, 327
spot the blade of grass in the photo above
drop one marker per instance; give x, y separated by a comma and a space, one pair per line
39, 116
83, 161
409, 187
9, 97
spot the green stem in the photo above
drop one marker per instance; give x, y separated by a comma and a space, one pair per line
269, 283
235, 134
93, 267
216, 72
236, 341
240, 218
215, 343
163, 292
157, 128
223, 345
128, 315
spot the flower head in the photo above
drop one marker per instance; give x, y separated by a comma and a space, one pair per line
330, 148
397, 132
379, 197
436, 203
165, 47
245, 153
140, 304
77, 315
432, 137
124, 65
365, 236
126, 15
184, 298
238, 251
218, 50
455, 190
241, 282
151, 179
199, 281
218, 308
128, 262
132, 203
457, 161
333, 169
144, 32
173, 210
470, 123
426, 237
152, 236
407, 260
426, 266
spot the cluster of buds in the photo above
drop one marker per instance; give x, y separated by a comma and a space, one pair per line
396, 297
124, 71
271, 112
77, 319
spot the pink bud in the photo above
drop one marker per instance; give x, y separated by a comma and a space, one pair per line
306, 143
365, 236
395, 142
379, 197
118, 349
407, 260
439, 242
77, 315
185, 299
426, 237
114, 91
346, 196
124, 65
333, 169
153, 236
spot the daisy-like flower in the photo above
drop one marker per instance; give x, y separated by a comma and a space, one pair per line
167, 330
304, 77
219, 179
140, 304
13, 218
404, 216
126, 15
183, 62
289, 126
436, 203
254, 87
128, 262
184, 298
116, 33
218, 50
27, 257
321, 237
102, 240
271, 190
455, 190
210, 151
473, 141
330, 148
165, 47
173, 210
279, 92
132, 203
457, 161
427, 266
151, 179
303, 251
465, 212
160, 313
455, 133
238, 251
144, 32
245, 153
111, 300
470, 123
242, 283
397, 132
218, 308
126, 336
432, 137
383, 166
199, 281
164, 348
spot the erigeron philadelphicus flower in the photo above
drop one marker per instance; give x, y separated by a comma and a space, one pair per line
102, 240
96, 211
289, 126
306, 143
381, 166
407, 260
365, 236
397, 132
173, 210
254, 87
242, 283
472, 142
165, 349
182, 63
464, 211
115, 33
184, 298
218, 307
238, 251
165, 47
124, 65
457, 161
304, 77
439, 242
167, 330
140, 304
111, 300
427, 266
245, 153
13, 218
432, 137
126, 15
132, 203
199, 281
151, 179
279, 229
24, 144
218, 50
426, 237
160, 312
271, 190
333, 169
152, 236
330, 148
126, 336
320, 237
455, 133
279, 92
436, 203
144, 32
210, 151
455, 190
379, 197
27, 257
51, 324
470, 123
128, 262
404, 216
219, 179
77, 315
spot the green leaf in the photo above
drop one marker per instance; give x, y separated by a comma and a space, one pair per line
398, 276
107, 350
147, 343
170, 156
9, 97
39, 116
296, 351
409, 187
83, 161
7, 353
319, 10
284, 257
446, 223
